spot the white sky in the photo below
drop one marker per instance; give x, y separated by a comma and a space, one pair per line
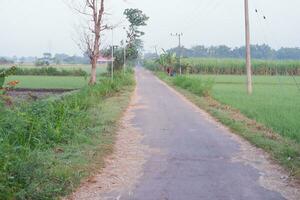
31, 27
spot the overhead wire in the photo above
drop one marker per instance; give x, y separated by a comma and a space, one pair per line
267, 24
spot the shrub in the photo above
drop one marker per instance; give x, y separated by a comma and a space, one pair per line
194, 85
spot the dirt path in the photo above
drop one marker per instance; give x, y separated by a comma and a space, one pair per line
167, 148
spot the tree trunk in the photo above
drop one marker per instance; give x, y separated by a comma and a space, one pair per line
93, 72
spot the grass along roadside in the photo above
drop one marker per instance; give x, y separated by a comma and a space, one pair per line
284, 150
47, 157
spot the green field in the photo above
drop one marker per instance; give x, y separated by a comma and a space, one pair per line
237, 66
275, 101
47, 82
100, 68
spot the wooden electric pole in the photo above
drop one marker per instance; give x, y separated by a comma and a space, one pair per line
248, 50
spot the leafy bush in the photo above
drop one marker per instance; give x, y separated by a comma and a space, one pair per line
195, 85
28, 131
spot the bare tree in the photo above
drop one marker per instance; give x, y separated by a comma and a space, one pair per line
91, 35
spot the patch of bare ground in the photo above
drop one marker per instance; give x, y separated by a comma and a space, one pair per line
272, 176
34, 94
123, 168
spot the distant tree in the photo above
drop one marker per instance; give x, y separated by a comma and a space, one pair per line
166, 59
47, 56
258, 52
5, 61
136, 19
288, 53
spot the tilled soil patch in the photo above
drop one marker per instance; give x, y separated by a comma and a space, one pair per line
35, 94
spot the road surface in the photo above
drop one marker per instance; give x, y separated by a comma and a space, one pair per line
180, 153
193, 159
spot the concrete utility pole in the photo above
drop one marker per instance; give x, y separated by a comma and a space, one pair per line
248, 50
179, 35
124, 64
112, 53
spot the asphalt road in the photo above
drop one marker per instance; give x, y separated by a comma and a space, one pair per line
191, 157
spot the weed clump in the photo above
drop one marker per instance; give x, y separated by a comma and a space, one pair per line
195, 85
30, 133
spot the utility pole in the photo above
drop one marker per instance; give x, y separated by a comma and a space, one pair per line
179, 35
124, 64
112, 53
248, 50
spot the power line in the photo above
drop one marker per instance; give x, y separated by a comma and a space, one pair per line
266, 22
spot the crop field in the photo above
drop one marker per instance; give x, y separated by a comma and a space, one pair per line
234, 66
237, 66
275, 101
49, 82
87, 68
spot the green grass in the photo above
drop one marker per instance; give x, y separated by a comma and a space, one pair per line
272, 112
101, 68
49, 146
275, 101
47, 82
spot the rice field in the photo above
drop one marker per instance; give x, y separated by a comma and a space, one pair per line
101, 68
54, 82
275, 101
49, 82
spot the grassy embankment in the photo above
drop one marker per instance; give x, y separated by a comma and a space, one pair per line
49, 146
269, 118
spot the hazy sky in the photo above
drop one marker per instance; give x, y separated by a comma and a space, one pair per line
31, 27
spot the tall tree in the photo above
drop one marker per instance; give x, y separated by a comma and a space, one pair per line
136, 19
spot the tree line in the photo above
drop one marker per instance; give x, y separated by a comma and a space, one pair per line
222, 51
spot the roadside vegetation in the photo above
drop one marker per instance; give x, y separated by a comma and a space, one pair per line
269, 118
51, 145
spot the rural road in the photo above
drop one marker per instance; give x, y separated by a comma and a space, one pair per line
192, 158
182, 154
